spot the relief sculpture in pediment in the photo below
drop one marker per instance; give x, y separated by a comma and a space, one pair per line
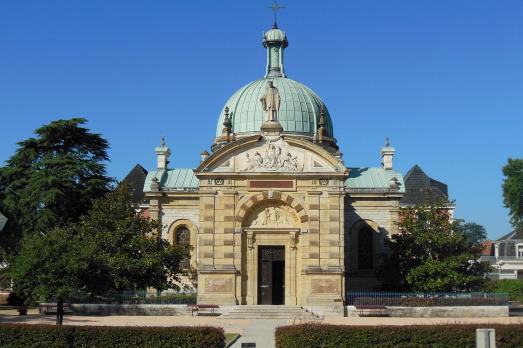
275, 158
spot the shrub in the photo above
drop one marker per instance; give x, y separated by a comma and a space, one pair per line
436, 336
19, 335
513, 287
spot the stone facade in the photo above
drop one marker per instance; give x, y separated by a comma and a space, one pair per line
305, 208
273, 214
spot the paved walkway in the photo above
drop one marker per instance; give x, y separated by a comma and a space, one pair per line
260, 331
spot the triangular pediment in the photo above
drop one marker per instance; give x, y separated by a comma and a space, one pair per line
282, 155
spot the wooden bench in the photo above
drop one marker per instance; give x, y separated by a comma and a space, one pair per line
199, 307
50, 308
371, 311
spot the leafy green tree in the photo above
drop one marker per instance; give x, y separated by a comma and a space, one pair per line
430, 253
51, 180
112, 248
473, 232
513, 191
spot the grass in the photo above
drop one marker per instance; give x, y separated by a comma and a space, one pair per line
230, 337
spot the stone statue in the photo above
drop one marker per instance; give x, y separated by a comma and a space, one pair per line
271, 102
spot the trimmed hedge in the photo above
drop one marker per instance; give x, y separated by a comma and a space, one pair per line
21, 335
434, 336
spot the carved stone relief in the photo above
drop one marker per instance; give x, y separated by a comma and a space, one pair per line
218, 285
324, 286
273, 157
270, 214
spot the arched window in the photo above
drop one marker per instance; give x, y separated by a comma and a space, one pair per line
365, 248
182, 236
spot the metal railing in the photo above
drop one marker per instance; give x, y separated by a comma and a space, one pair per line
132, 297
496, 259
426, 299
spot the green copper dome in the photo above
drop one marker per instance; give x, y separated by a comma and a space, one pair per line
299, 106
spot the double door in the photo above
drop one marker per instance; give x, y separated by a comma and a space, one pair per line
271, 275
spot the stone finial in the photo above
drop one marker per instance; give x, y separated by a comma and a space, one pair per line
155, 185
204, 155
321, 132
227, 124
339, 156
322, 122
394, 184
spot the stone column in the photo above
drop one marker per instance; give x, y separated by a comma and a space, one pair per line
155, 214
251, 284
293, 275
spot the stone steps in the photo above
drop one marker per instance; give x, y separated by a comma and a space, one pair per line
269, 312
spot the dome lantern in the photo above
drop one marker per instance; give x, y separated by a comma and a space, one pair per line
275, 41
300, 108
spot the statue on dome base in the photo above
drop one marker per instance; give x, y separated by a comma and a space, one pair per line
271, 102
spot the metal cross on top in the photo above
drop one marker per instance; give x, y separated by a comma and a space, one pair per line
275, 7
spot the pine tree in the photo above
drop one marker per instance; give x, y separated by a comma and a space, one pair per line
51, 180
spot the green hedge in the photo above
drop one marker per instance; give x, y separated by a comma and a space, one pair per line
20, 335
513, 287
434, 336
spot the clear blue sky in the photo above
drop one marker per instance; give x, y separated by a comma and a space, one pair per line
442, 78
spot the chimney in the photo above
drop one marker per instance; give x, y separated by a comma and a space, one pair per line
387, 153
162, 155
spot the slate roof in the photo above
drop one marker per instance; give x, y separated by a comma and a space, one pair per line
373, 179
417, 183
514, 235
135, 179
179, 179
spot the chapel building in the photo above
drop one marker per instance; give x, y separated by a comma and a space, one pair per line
273, 213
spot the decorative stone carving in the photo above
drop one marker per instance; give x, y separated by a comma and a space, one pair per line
272, 216
275, 158
292, 239
218, 285
250, 240
324, 286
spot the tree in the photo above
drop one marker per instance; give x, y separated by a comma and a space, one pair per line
51, 180
513, 191
111, 249
430, 253
473, 232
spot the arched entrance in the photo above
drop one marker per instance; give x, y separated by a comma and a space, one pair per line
271, 234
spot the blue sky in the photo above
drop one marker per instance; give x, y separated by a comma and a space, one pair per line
442, 78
